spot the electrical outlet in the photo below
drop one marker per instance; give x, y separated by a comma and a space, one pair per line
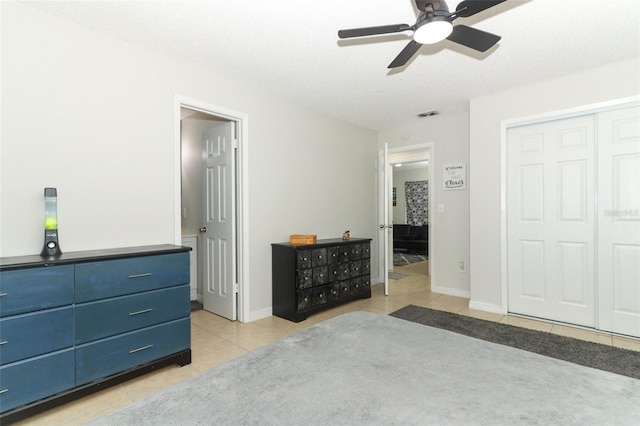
461, 266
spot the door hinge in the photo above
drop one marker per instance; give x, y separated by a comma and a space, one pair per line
236, 288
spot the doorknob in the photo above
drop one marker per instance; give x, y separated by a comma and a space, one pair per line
203, 229
381, 226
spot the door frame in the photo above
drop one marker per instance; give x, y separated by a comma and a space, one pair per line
395, 152
242, 190
535, 119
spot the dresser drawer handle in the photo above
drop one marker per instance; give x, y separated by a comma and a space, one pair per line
140, 349
3, 294
4, 342
144, 311
3, 391
148, 274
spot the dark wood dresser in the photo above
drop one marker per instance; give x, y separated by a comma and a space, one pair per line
310, 278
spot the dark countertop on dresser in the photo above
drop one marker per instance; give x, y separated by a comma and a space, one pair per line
327, 242
33, 261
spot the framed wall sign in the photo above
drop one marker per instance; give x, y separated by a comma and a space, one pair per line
454, 177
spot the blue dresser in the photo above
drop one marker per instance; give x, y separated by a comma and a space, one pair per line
88, 320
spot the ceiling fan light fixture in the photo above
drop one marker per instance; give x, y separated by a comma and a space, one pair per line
433, 31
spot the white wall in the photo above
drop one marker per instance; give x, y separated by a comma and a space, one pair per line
603, 84
450, 136
94, 117
399, 179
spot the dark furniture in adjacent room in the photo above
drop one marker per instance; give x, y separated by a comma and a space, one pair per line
413, 238
310, 278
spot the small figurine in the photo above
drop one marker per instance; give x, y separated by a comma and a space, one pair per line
345, 235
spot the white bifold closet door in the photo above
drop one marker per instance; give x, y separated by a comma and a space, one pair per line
619, 221
573, 220
550, 220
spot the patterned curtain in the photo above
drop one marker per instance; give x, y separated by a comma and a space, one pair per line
417, 193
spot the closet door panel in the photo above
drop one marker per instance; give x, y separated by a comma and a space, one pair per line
619, 221
550, 220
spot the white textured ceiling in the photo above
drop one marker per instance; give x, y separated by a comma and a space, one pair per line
291, 47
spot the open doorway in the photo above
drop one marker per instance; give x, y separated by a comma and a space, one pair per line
410, 213
211, 202
416, 161
410, 208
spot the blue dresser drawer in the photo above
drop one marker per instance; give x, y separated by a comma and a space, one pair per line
100, 280
30, 380
104, 318
37, 333
112, 355
33, 289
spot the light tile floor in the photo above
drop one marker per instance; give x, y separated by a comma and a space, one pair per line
215, 340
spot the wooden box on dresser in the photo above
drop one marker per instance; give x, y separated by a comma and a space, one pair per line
310, 278
84, 321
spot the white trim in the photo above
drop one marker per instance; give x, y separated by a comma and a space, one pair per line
451, 291
242, 122
504, 293
376, 280
533, 119
571, 112
260, 314
487, 307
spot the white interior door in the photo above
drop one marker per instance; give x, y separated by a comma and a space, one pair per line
219, 236
550, 220
385, 224
619, 221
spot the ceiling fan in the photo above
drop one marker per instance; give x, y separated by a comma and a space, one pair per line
434, 24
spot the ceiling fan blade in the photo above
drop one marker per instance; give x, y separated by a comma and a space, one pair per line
367, 31
471, 7
473, 38
406, 54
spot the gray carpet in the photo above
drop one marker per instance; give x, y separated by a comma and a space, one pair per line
594, 355
369, 369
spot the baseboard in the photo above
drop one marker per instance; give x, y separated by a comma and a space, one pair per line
258, 315
487, 307
450, 291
